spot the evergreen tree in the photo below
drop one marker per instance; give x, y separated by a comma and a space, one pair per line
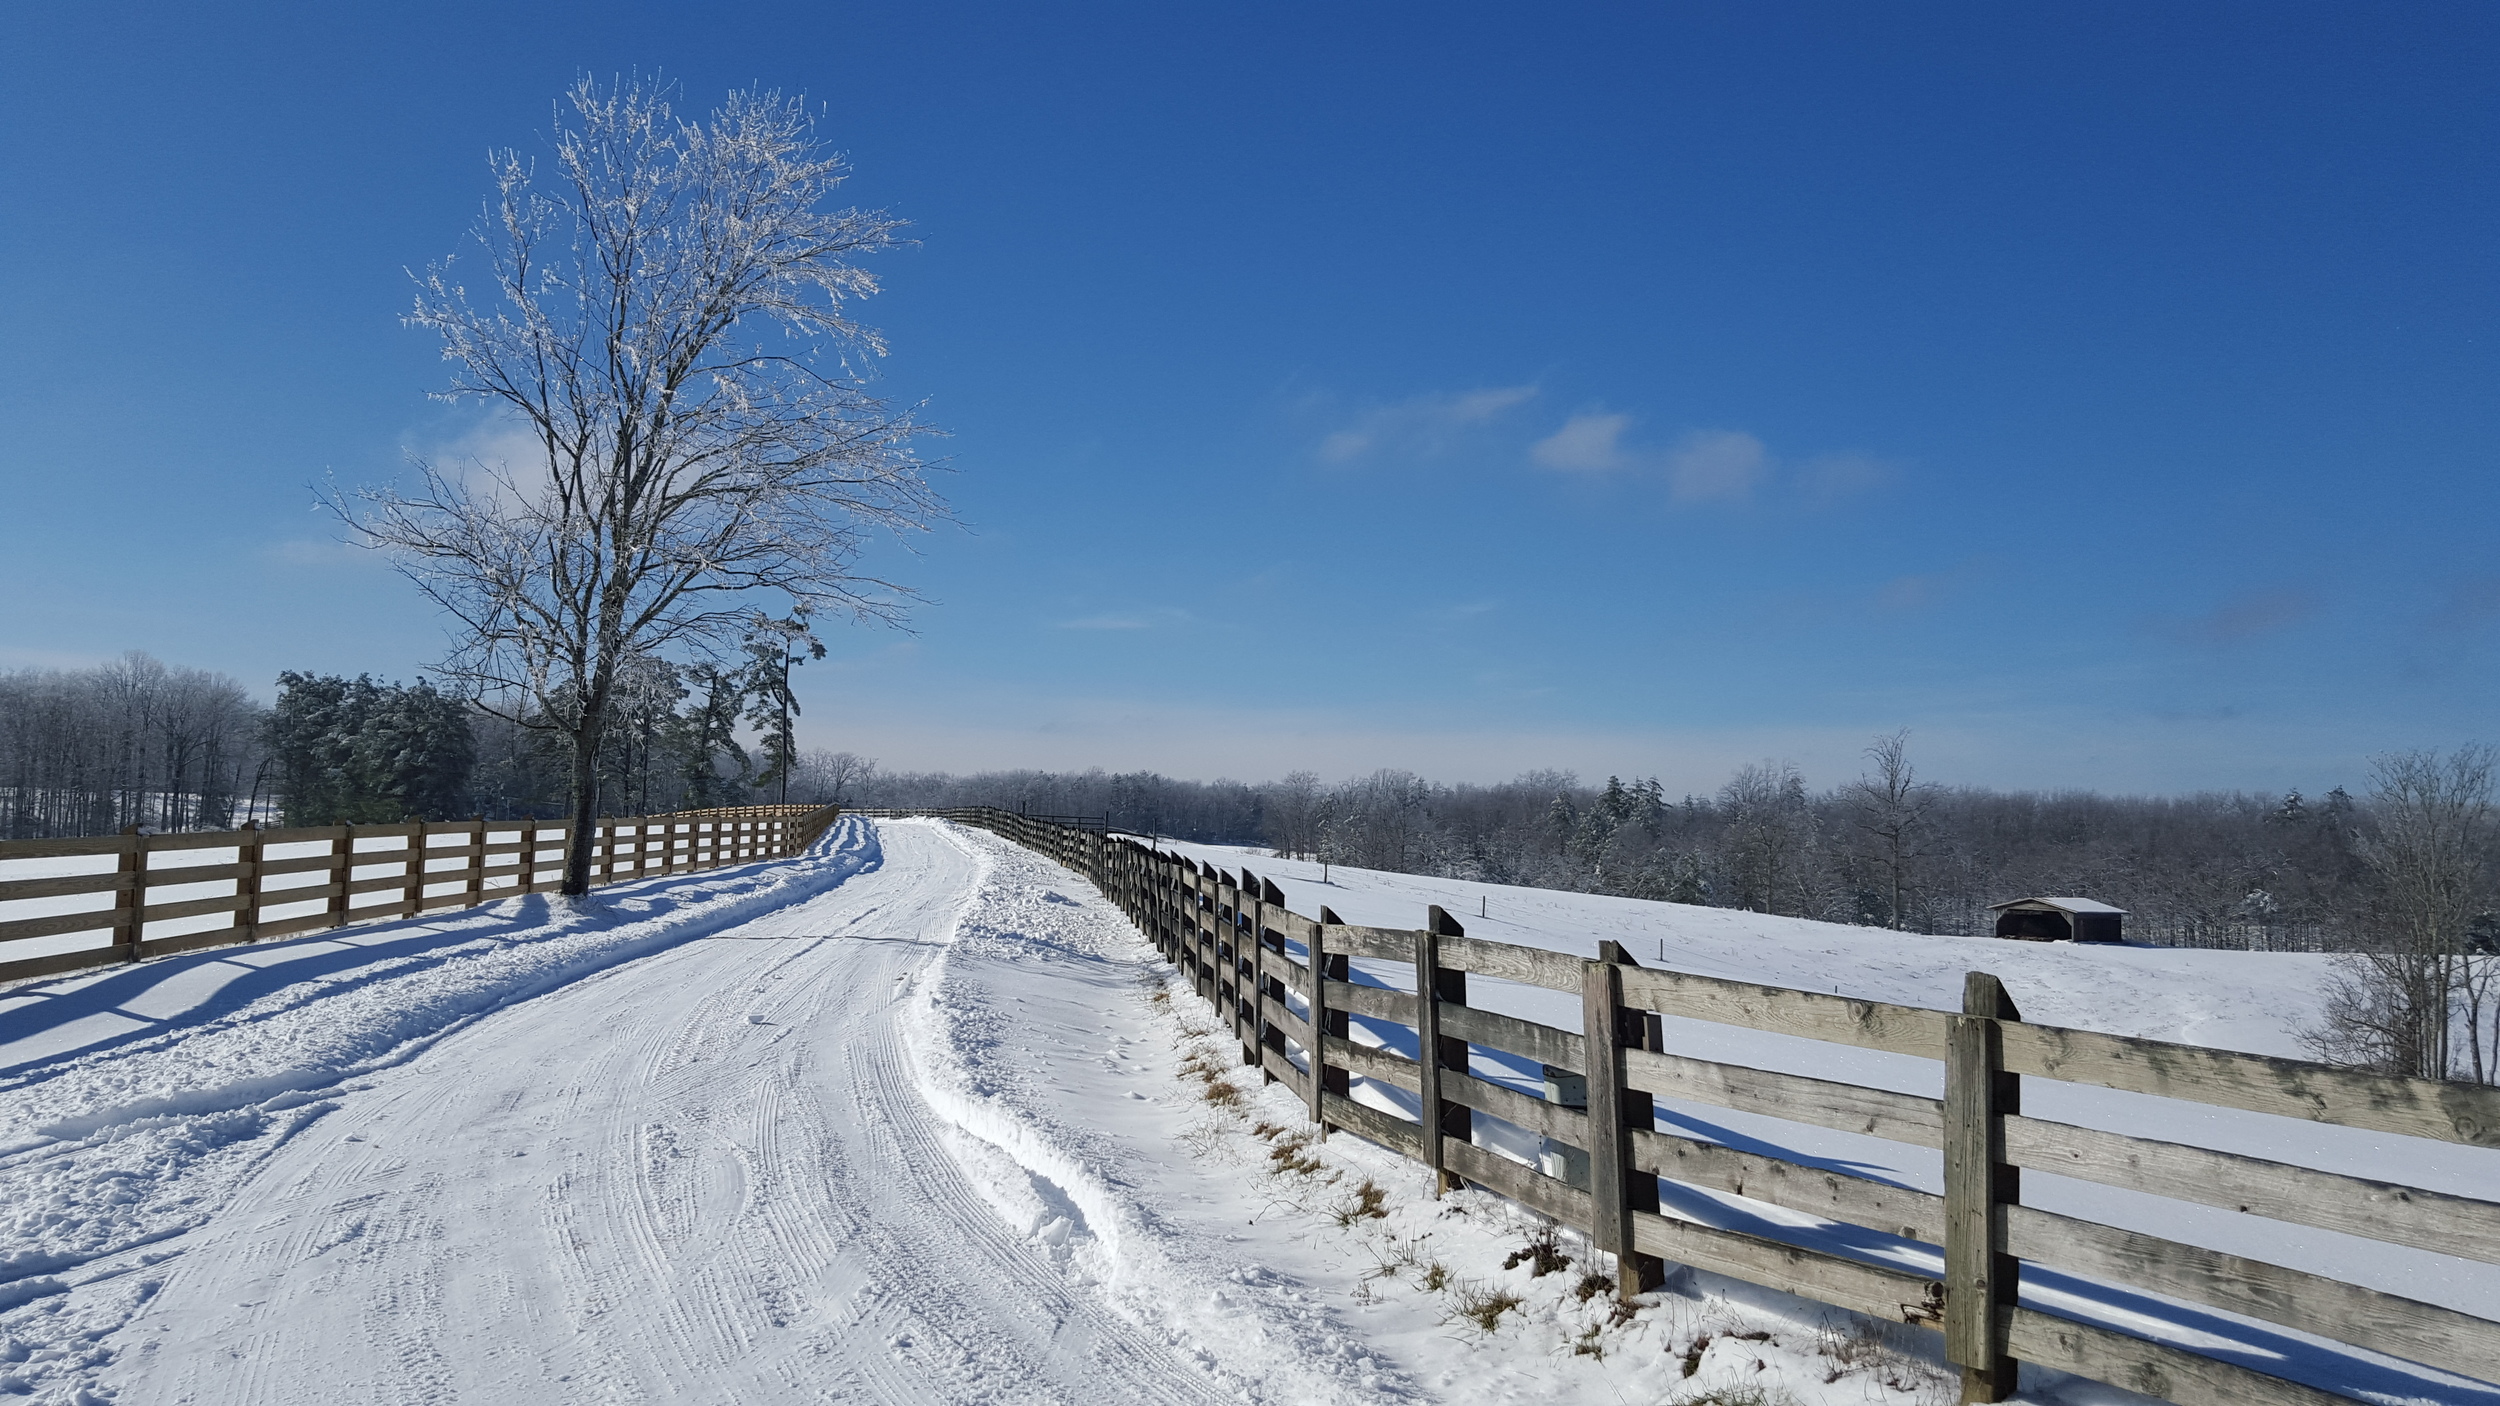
355, 752
708, 734
773, 648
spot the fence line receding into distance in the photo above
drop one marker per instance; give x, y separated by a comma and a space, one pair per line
1283, 981
282, 882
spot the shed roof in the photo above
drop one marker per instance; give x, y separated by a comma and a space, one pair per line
2064, 905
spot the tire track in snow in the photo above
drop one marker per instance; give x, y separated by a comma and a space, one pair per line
628, 1189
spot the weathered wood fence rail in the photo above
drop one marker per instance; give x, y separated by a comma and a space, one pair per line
1232, 932
287, 881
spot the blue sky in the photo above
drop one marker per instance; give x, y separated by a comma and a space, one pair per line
2105, 393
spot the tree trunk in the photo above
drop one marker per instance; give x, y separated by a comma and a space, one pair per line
577, 844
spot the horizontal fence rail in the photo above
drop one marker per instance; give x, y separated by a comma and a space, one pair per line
1284, 982
284, 882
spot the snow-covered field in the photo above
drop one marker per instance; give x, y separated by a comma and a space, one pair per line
918, 1119
2233, 1000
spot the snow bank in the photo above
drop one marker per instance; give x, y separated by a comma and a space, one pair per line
1076, 1067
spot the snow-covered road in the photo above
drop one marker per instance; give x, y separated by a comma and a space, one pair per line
703, 1175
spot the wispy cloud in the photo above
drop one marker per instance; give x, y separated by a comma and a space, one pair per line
1705, 466
1587, 443
2247, 617
1716, 466
1828, 480
493, 454
1420, 428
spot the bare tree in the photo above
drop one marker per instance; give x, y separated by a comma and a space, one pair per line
676, 461
1293, 813
2392, 1005
1892, 808
835, 774
1770, 839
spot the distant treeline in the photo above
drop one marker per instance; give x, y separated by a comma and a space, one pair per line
132, 742
88, 751
2215, 869
137, 742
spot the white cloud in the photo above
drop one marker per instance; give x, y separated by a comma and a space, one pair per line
495, 454
1705, 466
1422, 427
1587, 443
1830, 479
1715, 466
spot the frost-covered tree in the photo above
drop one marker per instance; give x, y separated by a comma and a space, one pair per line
774, 648
2391, 1005
662, 311
709, 739
1891, 812
129, 742
1770, 839
1292, 814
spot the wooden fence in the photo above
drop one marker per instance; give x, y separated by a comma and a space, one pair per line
1231, 932
287, 881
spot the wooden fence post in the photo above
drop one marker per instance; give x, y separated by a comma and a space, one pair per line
1981, 1282
412, 891
1201, 935
1167, 909
1601, 1009
1616, 1188
342, 872
1434, 1051
1249, 913
247, 882
1271, 987
474, 890
1231, 898
1167, 933
1327, 967
131, 901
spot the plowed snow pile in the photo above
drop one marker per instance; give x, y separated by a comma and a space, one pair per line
918, 1118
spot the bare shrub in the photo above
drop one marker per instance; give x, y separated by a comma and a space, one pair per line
1481, 1305
1368, 1202
1291, 1156
1877, 1349
1543, 1253
1397, 1255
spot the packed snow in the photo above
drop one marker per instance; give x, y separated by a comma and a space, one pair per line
919, 1117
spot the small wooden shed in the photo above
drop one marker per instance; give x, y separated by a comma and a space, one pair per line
2058, 920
